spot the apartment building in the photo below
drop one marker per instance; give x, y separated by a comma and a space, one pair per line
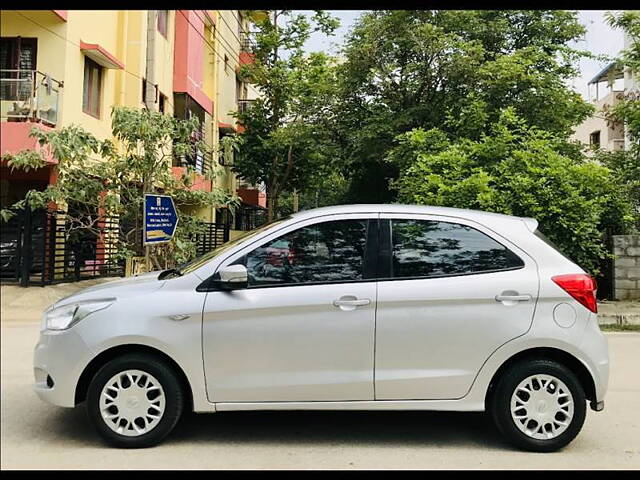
235, 94
596, 131
62, 67
608, 87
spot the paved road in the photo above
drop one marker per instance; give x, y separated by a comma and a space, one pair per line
37, 435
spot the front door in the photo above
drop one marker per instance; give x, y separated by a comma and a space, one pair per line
452, 293
304, 328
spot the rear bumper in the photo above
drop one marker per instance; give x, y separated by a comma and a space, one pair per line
595, 347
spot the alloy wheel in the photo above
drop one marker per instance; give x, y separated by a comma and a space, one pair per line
542, 407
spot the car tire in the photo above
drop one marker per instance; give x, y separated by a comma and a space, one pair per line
135, 414
543, 420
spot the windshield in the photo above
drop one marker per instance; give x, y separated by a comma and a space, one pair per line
203, 259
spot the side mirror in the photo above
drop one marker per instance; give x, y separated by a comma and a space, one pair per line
231, 277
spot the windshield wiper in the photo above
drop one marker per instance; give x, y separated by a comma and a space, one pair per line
171, 273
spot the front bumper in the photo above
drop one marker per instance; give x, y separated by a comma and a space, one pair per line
58, 361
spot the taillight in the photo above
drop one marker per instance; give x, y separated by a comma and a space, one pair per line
580, 286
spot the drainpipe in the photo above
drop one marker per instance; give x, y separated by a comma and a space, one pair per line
150, 97
122, 51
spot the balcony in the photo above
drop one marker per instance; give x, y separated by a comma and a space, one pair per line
29, 96
616, 144
201, 163
246, 43
244, 104
246, 55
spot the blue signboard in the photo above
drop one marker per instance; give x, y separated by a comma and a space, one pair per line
160, 219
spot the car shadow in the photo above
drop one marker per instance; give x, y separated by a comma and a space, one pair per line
379, 428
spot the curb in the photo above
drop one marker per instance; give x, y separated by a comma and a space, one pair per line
620, 319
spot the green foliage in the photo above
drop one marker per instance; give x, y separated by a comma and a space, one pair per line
285, 140
98, 177
517, 170
625, 165
454, 71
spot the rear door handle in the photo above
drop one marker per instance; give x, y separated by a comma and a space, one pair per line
513, 298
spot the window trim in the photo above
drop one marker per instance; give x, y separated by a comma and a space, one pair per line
387, 257
232, 258
87, 110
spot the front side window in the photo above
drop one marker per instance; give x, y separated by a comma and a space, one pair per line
325, 252
425, 248
92, 87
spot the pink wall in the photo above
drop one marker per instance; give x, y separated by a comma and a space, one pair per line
253, 197
188, 57
61, 13
14, 136
199, 182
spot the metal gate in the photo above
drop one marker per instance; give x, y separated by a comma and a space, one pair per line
605, 280
215, 235
40, 248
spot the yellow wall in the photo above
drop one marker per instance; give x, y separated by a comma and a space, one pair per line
229, 45
123, 33
51, 42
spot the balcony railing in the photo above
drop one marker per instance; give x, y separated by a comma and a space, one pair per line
246, 42
244, 105
29, 95
616, 144
199, 160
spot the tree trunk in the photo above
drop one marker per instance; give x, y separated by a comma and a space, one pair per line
272, 203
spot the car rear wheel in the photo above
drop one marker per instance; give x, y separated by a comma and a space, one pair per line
135, 401
539, 405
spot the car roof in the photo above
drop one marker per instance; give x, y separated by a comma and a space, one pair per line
475, 215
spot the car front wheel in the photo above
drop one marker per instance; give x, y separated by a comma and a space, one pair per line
539, 405
134, 401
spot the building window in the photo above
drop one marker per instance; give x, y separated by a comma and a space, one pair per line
92, 89
163, 17
226, 64
594, 139
17, 62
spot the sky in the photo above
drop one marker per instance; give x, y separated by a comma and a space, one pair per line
600, 38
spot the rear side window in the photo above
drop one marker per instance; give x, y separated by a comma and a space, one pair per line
544, 238
425, 248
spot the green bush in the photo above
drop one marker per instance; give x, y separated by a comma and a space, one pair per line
516, 170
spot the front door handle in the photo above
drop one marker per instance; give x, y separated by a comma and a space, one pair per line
350, 302
513, 298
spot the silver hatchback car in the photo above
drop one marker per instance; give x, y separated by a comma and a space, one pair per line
353, 307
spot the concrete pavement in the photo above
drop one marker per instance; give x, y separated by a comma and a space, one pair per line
36, 435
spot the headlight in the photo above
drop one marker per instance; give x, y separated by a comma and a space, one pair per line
66, 316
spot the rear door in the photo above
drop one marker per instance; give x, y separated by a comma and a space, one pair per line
450, 293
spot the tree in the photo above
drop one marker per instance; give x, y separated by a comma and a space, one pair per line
515, 169
284, 140
99, 179
625, 165
454, 71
